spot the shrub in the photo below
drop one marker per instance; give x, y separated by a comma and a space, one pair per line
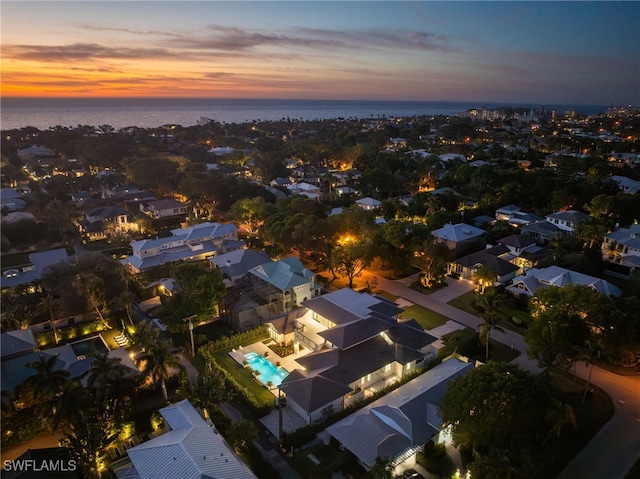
434, 458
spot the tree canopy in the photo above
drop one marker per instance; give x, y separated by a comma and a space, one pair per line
499, 412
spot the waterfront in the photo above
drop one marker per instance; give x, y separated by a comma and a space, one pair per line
44, 113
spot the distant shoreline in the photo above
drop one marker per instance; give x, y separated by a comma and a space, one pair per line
44, 113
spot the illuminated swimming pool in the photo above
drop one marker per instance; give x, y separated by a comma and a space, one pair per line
268, 372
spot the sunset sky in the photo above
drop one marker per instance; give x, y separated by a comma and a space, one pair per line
543, 52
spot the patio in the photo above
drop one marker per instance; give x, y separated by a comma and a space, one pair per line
287, 362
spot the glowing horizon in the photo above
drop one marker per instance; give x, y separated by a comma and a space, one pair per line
543, 52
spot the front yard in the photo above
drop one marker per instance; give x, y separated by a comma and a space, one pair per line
513, 319
466, 342
425, 317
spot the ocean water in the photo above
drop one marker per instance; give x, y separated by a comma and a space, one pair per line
44, 113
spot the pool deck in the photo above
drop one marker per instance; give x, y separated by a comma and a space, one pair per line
287, 362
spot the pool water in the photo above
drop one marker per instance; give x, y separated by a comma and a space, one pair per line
268, 372
90, 346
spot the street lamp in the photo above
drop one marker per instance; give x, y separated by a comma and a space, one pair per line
190, 319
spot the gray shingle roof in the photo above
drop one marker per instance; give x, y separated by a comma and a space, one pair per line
314, 392
350, 334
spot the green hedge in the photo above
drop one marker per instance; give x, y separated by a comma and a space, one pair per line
229, 342
78, 331
259, 399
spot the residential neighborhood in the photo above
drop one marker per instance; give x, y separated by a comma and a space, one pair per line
430, 296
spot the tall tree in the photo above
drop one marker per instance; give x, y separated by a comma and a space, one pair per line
52, 306
432, 258
87, 442
496, 411
93, 289
251, 212
489, 303
485, 276
48, 380
559, 324
591, 352
351, 257
210, 390
159, 362
69, 406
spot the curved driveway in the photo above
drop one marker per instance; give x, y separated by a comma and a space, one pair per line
615, 448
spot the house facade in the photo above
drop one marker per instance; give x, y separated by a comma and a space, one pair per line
397, 425
163, 208
186, 244
536, 278
496, 258
99, 223
460, 237
622, 247
566, 221
368, 204
358, 346
267, 291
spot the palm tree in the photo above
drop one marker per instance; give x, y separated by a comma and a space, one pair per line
126, 298
491, 314
145, 335
86, 443
68, 407
590, 353
104, 373
17, 316
613, 251
159, 360
109, 383
47, 381
558, 415
485, 276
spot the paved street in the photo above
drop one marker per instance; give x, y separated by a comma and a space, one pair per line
616, 447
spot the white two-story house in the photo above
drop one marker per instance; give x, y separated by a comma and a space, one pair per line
622, 246
566, 221
359, 346
186, 244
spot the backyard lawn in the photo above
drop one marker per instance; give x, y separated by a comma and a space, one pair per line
428, 319
245, 378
